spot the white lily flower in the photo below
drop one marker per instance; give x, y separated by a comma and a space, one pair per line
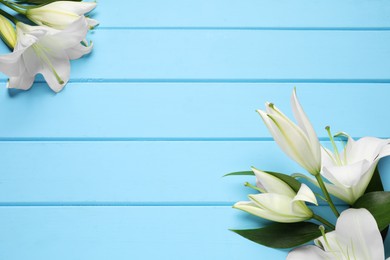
61, 14
356, 237
299, 142
44, 50
350, 172
279, 202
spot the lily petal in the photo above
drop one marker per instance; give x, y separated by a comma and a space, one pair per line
345, 194
305, 194
57, 72
92, 23
78, 51
365, 148
279, 206
79, 8
309, 252
347, 175
385, 152
272, 184
304, 123
357, 235
253, 209
12, 63
298, 143
71, 35
24, 81
60, 14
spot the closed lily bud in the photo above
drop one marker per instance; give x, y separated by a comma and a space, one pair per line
61, 14
7, 32
299, 142
278, 202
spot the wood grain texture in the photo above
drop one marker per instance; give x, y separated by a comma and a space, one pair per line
235, 55
136, 173
245, 13
128, 233
185, 111
127, 161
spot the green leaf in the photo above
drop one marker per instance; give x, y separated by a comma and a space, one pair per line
378, 203
375, 183
240, 173
282, 235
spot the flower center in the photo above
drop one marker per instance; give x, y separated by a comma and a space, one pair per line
41, 53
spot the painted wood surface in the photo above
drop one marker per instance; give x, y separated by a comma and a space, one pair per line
185, 111
127, 161
220, 55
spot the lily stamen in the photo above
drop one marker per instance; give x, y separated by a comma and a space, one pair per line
322, 229
247, 184
336, 151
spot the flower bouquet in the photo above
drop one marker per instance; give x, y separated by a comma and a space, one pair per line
44, 36
349, 174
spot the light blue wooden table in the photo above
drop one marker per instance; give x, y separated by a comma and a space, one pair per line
126, 162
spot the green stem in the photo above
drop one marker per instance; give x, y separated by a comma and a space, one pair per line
8, 16
13, 7
27, 6
325, 191
323, 221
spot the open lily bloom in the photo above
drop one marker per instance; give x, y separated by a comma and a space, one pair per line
44, 50
351, 171
299, 142
356, 237
278, 202
60, 14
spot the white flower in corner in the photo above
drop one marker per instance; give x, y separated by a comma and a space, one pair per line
278, 202
356, 237
44, 50
60, 14
351, 171
299, 142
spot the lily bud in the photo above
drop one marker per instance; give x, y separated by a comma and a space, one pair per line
61, 14
299, 142
7, 32
279, 202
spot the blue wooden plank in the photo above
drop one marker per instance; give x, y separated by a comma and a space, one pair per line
80, 233
235, 55
135, 173
186, 111
248, 13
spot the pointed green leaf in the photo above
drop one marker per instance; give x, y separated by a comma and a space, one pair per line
375, 183
282, 235
378, 203
248, 173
